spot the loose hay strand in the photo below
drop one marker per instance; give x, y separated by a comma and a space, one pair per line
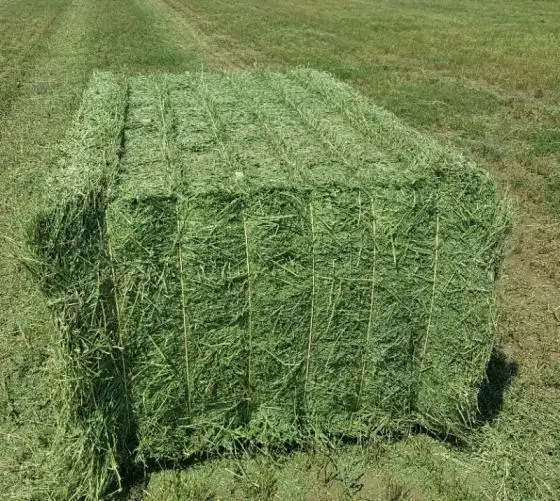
249, 319
312, 308
184, 312
433, 294
371, 317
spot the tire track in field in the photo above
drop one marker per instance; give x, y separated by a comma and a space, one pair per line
59, 63
80, 35
218, 49
15, 73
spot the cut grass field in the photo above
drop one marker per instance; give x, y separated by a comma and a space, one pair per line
481, 77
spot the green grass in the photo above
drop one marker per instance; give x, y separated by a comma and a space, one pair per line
480, 76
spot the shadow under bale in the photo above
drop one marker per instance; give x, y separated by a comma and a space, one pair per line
499, 376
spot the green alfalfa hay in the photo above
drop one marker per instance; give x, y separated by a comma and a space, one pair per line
153, 224
233, 228
218, 284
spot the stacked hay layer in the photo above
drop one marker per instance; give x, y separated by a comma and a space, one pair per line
275, 259
69, 239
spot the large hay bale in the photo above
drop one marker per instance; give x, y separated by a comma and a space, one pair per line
270, 257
